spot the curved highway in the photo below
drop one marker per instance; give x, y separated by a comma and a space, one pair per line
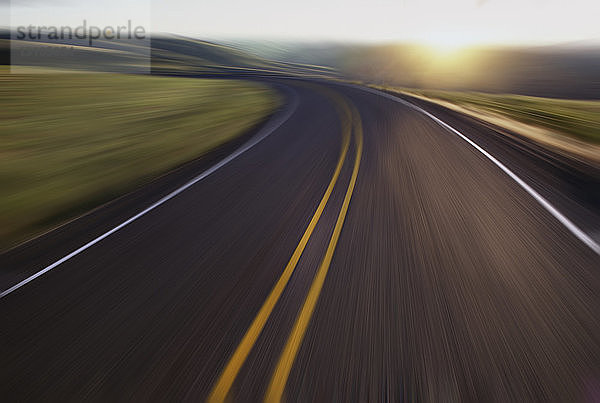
352, 248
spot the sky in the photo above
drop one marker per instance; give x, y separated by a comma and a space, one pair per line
444, 23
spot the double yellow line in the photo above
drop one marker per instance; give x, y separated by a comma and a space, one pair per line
278, 381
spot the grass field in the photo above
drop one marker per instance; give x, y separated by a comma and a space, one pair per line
578, 119
70, 142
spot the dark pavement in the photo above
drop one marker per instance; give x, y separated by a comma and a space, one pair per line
449, 282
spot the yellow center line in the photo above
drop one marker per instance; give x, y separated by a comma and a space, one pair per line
223, 385
288, 356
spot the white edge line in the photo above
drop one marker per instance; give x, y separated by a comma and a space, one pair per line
574, 229
266, 131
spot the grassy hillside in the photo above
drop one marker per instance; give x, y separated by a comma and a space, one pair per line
196, 53
71, 142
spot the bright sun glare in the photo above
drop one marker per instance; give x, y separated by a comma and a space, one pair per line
446, 44
444, 49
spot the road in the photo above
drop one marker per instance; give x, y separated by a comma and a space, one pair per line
359, 251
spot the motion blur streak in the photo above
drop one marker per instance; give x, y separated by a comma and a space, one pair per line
282, 371
221, 389
449, 282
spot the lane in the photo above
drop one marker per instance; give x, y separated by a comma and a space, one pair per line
162, 303
448, 281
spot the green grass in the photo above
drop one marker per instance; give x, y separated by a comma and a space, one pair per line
70, 142
575, 118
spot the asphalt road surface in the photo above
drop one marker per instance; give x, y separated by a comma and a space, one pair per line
360, 251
